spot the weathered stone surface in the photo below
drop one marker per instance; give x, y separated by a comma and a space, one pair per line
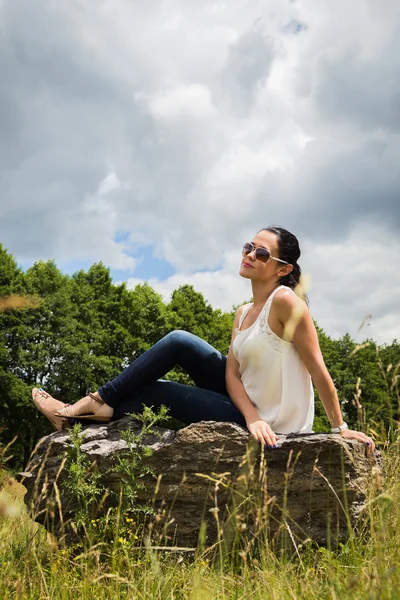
322, 473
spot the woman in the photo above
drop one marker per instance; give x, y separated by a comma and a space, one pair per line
263, 384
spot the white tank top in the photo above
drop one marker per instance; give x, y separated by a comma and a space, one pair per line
274, 375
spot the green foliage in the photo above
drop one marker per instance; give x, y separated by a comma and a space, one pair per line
365, 368
191, 312
131, 468
83, 481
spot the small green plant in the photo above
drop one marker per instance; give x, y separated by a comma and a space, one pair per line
122, 524
131, 467
83, 481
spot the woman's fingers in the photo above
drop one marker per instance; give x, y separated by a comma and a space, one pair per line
261, 438
257, 435
361, 437
266, 438
264, 434
370, 443
270, 435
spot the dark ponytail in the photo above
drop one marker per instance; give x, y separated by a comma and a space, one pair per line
293, 279
289, 250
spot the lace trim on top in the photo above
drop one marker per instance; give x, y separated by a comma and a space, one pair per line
261, 323
267, 334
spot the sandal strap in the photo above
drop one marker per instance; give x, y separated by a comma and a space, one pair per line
41, 393
99, 400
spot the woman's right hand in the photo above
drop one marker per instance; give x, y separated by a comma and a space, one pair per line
262, 432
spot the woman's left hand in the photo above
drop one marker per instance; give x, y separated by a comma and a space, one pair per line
361, 437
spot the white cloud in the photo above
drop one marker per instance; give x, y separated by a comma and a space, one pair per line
351, 282
174, 22
193, 100
356, 278
109, 183
192, 125
95, 243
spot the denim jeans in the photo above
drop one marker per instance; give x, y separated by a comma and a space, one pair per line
140, 383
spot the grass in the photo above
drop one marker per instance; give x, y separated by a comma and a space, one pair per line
34, 566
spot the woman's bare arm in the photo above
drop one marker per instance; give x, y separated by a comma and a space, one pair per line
300, 330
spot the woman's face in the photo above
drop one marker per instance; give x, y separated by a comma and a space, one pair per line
250, 268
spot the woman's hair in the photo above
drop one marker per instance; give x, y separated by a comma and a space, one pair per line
289, 250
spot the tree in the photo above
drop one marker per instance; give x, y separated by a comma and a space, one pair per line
33, 346
14, 390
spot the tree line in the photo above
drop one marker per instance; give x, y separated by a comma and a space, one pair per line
75, 332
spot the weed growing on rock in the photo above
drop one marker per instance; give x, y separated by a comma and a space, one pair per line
131, 467
123, 523
83, 481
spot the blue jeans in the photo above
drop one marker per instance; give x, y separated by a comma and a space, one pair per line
140, 383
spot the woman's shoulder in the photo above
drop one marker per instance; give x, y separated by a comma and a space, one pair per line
286, 299
285, 294
239, 313
238, 317
242, 308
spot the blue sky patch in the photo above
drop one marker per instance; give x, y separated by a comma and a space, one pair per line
295, 26
147, 267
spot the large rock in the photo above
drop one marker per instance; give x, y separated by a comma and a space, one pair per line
314, 486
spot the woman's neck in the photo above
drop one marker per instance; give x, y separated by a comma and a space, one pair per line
262, 290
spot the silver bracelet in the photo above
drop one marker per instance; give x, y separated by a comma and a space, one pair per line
340, 428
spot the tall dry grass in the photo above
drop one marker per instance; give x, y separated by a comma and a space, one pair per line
34, 566
18, 302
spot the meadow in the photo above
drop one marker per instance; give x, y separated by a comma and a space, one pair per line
34, 565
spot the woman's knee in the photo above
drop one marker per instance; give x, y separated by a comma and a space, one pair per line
180, 337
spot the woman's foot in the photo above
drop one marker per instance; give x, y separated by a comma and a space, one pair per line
48, 406
91, 406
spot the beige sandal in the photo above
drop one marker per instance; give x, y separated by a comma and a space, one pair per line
102, 413
47, 405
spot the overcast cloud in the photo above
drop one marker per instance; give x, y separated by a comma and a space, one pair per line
188, 126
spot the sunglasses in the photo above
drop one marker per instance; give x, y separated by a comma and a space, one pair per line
262, 254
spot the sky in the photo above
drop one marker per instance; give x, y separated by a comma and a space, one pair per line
159, 136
